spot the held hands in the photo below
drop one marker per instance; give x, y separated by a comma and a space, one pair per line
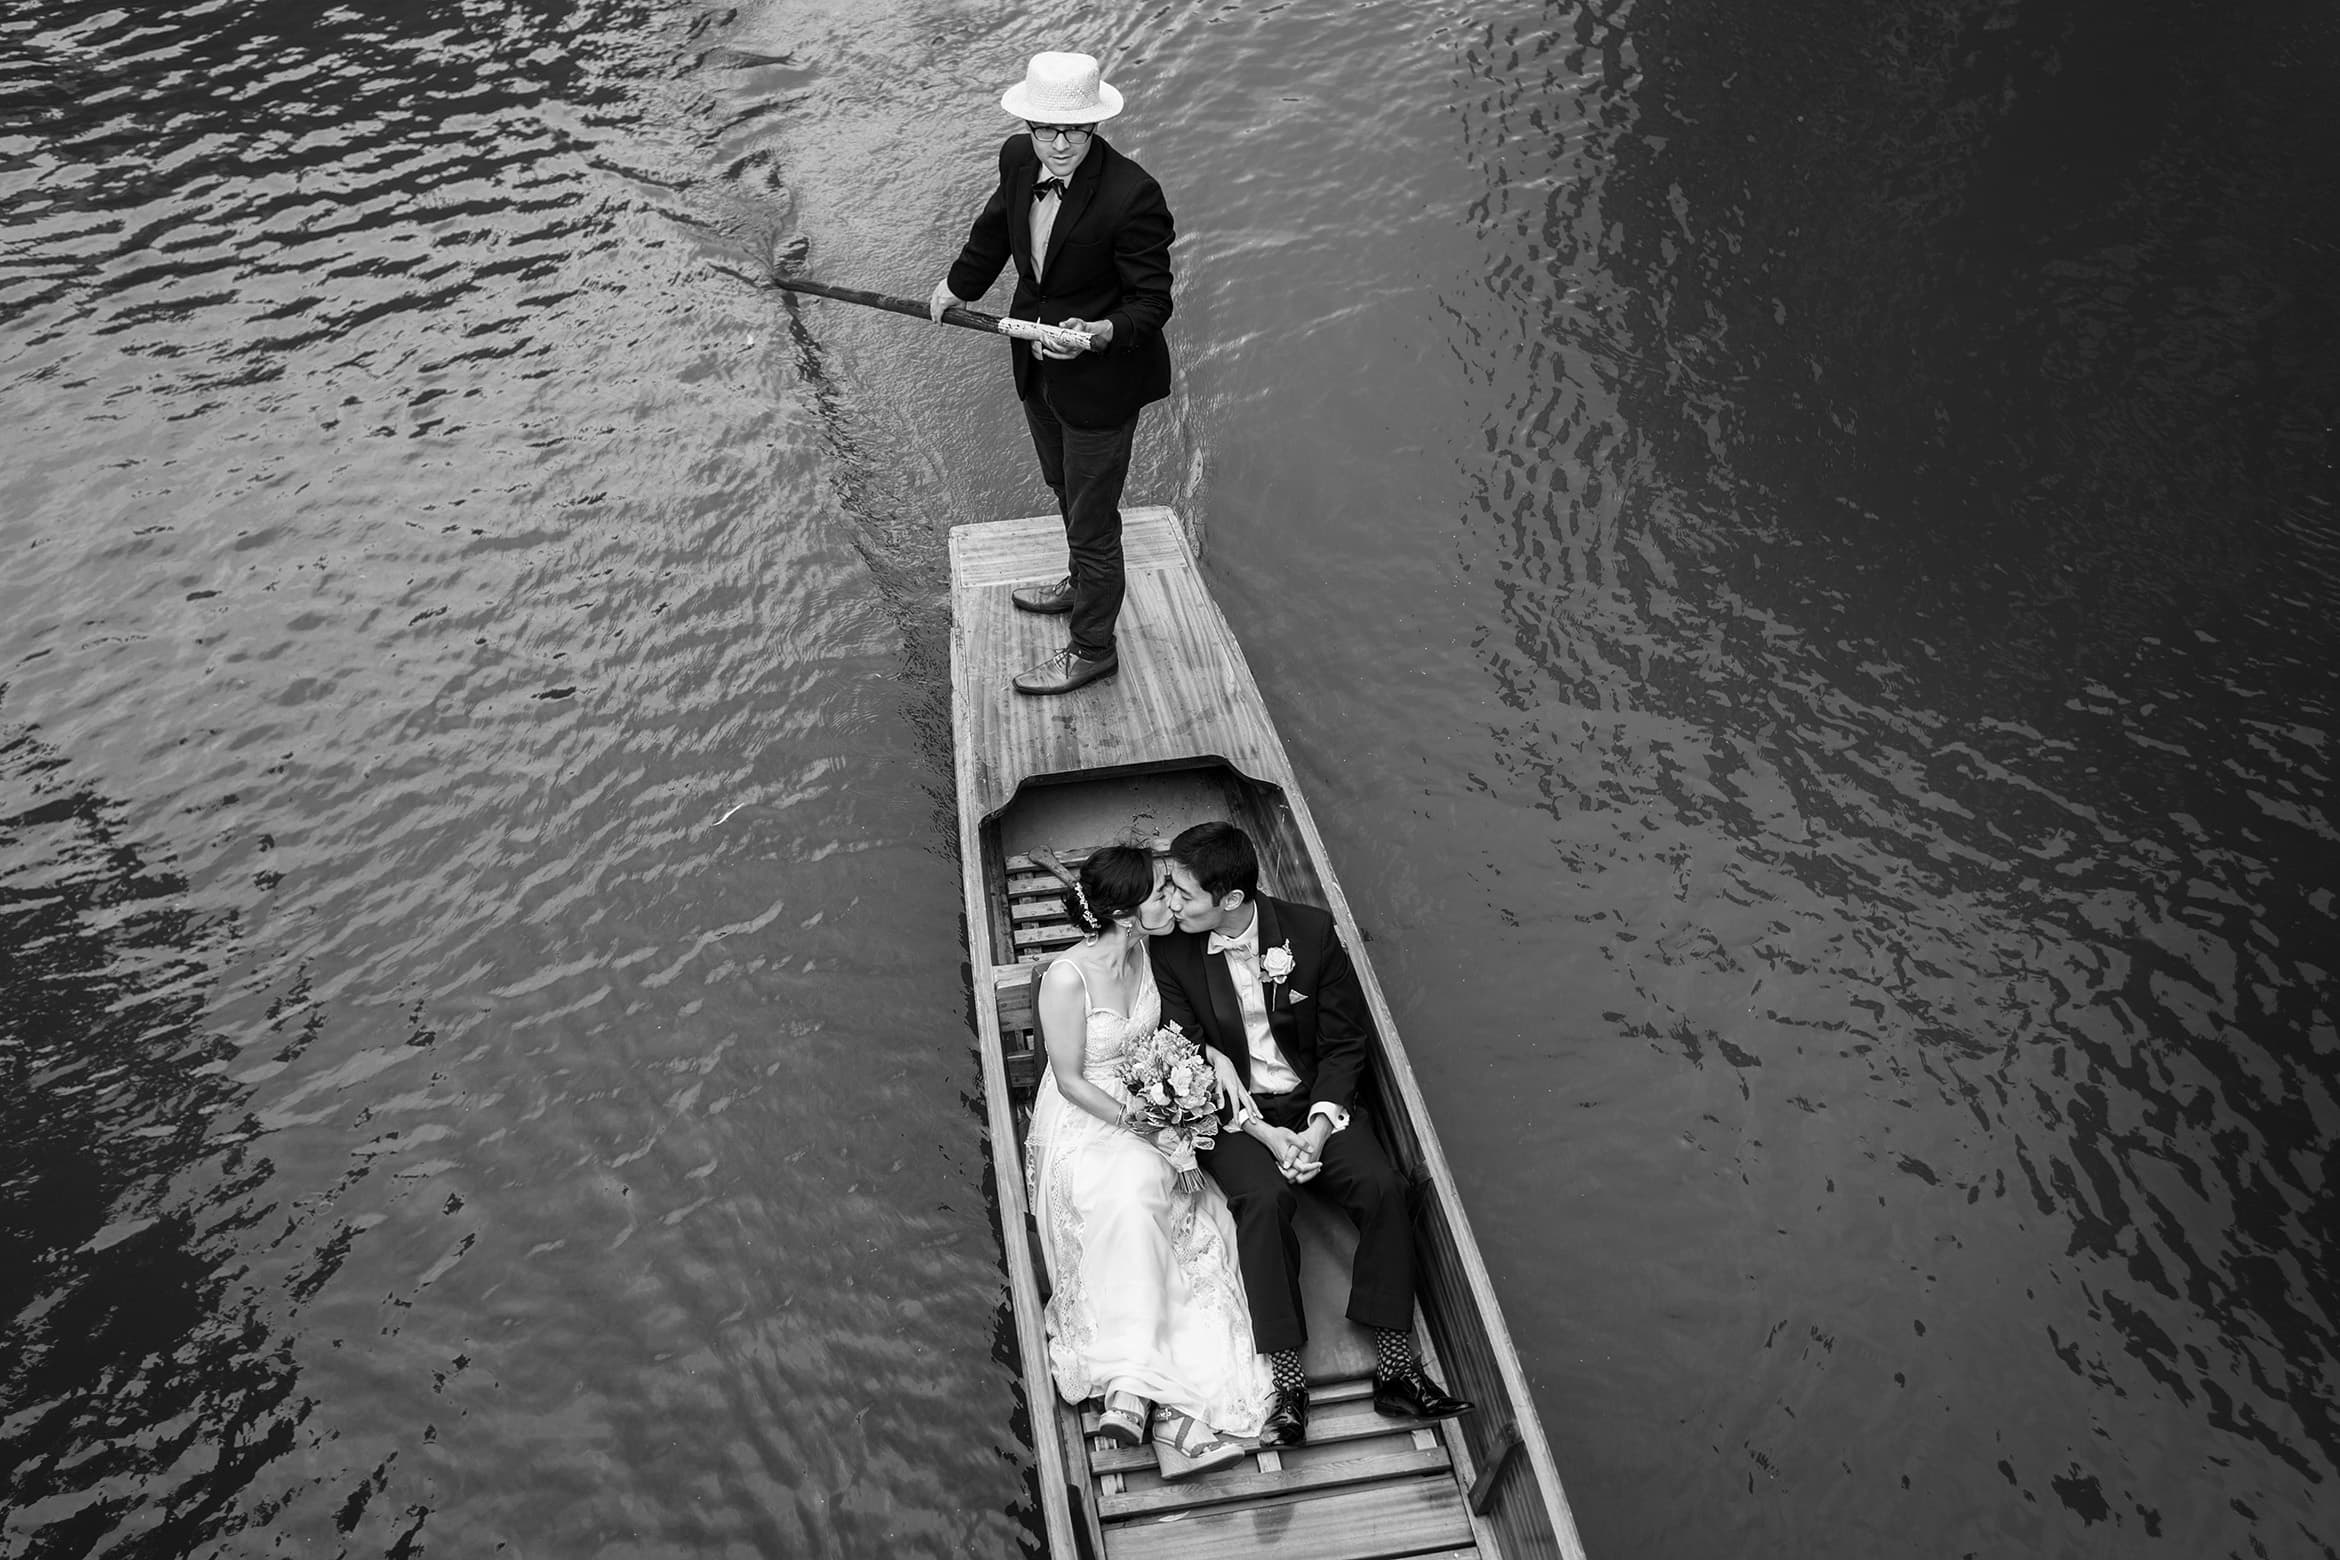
1300, 1155
1312, 1143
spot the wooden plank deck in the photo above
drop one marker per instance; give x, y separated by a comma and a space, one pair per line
1180, 692
1363, 1488
1413, 1518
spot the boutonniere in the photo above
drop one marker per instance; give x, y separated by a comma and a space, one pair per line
1275, 964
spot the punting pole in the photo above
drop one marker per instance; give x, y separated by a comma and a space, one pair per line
958, 314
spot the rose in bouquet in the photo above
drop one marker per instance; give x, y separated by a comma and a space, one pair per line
1169, 1076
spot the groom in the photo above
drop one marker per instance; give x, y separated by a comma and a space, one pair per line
1266, 983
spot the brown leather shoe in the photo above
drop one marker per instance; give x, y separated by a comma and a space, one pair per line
1056, 598
1066, 670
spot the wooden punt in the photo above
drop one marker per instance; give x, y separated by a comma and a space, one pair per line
1180, 736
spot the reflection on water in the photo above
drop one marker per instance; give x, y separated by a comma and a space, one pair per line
538, 1132
1791, 551
1909, 570
135, 1360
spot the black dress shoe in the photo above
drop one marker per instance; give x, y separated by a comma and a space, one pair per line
1045, 598
1287, 1420
1415, 1397
1066, 670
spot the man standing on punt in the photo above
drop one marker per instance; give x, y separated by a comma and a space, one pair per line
1090, 235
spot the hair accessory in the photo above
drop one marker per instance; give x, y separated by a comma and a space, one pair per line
1088, 916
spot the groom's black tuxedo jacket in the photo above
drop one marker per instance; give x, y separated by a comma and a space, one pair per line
1317, 1015
1108, 259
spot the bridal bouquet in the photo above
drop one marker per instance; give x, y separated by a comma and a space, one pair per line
1169, 1072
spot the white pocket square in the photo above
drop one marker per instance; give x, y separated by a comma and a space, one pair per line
1299, 996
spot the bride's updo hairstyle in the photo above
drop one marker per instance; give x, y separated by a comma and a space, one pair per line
1114, 882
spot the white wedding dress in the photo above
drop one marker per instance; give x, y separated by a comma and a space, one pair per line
1147, 1296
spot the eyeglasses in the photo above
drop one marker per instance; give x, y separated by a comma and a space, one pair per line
1070, 135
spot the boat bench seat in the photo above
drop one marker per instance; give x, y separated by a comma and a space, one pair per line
1019, 1029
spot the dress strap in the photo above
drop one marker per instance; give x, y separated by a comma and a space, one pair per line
1088, 997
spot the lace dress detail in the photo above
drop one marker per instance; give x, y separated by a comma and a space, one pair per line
1146, 1295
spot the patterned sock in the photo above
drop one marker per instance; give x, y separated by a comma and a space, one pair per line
1284, 1365
1393, 1354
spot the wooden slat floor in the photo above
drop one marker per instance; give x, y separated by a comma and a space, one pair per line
1413, 1518
1344, 1487
1178, 695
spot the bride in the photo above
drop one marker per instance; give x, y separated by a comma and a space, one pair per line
1148, 1308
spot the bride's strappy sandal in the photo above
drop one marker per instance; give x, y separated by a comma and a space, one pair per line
1123, 1418
1184, 1446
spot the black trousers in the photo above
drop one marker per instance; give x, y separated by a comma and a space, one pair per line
1360, 1180
1085, 468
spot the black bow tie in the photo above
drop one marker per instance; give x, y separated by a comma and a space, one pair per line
1048, 187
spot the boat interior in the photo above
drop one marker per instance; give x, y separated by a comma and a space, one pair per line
1349, 1444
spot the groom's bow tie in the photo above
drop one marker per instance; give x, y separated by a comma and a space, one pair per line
1048, 187
1221, 943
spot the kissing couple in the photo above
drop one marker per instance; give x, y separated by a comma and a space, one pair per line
1176, 1298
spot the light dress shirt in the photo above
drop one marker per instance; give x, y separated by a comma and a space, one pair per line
1270, 1072
1044, 210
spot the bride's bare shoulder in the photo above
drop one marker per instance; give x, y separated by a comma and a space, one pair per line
1065, 971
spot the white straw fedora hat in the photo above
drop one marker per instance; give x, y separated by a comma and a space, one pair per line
1062, 89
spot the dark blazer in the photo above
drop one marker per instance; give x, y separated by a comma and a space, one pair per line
1108, 259
1317, 1015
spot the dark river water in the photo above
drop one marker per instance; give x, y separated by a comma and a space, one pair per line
1793, 547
